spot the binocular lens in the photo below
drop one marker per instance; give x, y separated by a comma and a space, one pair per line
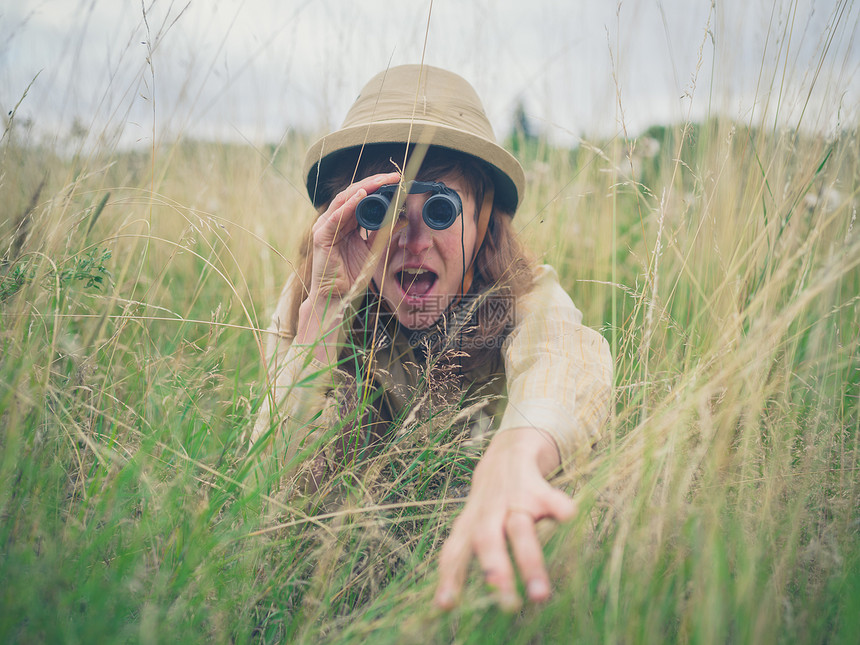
371, 211
440, 211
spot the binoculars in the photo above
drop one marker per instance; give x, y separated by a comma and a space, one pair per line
440, 210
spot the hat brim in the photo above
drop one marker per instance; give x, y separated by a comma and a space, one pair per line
506, 171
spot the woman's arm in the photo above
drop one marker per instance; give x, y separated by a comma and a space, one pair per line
340, 258
559, 383
509, 494
296, 382
302, 354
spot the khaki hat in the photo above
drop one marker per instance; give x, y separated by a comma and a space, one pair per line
422, 105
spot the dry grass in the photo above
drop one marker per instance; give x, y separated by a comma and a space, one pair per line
720, 260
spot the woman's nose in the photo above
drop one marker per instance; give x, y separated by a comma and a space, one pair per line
416, 237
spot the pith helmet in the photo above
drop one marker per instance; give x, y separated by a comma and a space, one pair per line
418, 104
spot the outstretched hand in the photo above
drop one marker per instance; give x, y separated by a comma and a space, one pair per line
509, 495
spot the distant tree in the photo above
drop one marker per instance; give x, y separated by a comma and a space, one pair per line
522, 125
523, 140
79, 129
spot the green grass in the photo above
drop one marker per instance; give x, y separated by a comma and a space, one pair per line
722, 506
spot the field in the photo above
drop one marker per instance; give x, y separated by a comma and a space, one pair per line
720, 259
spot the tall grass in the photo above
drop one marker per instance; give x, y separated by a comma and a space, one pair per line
720, 259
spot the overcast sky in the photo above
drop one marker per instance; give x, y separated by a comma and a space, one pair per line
252, 70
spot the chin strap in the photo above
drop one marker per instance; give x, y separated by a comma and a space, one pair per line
483, 223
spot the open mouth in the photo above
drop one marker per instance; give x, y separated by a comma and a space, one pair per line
416, 283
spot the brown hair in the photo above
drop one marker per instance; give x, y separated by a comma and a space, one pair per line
503, 268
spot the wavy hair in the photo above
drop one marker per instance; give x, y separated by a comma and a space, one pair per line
503, 268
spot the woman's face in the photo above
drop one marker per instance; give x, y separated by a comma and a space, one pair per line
424, 268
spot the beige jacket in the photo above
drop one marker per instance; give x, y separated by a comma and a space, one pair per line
556, 376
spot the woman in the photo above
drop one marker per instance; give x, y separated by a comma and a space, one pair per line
442, 282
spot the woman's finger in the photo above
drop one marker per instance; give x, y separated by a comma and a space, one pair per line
492, 552
368, 184
374, 182
556, 504
333, 225
342, 221
453, 565
528, 554
339, 218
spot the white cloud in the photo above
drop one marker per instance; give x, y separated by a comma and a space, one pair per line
253, 69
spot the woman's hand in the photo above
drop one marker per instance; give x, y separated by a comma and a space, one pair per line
509, 494
340, 253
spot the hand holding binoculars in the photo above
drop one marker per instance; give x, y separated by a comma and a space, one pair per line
440, 210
